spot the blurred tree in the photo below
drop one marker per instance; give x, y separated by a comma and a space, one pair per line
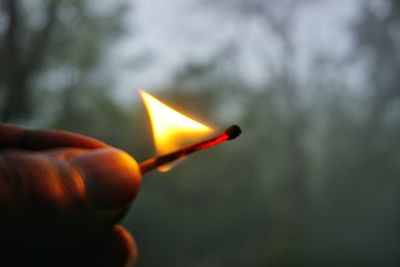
20, 62
377, 43
66, 40
355, 217
281, 102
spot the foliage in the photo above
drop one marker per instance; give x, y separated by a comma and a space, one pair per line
50, 48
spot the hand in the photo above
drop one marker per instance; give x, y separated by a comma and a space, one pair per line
61, 195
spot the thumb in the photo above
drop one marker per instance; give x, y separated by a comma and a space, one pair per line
111, 176
56, 200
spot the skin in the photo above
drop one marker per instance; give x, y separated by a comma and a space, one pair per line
61, 196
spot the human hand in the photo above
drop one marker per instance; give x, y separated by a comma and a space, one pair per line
61, 195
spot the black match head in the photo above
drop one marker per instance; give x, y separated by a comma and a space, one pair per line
233, 132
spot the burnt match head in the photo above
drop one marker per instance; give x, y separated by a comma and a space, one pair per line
233, 132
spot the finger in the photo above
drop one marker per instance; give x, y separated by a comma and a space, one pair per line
63, 197
117, 248
12, 136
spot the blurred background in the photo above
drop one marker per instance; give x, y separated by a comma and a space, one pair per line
314, 84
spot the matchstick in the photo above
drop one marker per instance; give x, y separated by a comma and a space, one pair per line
155, 162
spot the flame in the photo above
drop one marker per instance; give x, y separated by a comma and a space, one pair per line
171, 129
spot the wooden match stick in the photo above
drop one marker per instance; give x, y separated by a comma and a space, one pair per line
153, 163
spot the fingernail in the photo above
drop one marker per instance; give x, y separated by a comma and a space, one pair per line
112, 177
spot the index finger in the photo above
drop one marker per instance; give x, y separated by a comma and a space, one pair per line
12, 136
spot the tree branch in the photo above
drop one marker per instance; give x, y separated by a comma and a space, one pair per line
11, 57
11, 45
40, 40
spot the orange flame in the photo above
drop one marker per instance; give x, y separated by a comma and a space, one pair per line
171, 129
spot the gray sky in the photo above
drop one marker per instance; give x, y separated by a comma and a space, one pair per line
167, 34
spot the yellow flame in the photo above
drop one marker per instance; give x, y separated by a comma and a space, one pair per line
171, 129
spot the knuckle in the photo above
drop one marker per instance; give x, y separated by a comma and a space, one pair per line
30, 182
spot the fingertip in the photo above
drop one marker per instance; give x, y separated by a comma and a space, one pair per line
117, 248
112, 177
128, 245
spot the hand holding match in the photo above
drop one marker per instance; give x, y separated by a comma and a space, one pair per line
64, 193
61, 197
